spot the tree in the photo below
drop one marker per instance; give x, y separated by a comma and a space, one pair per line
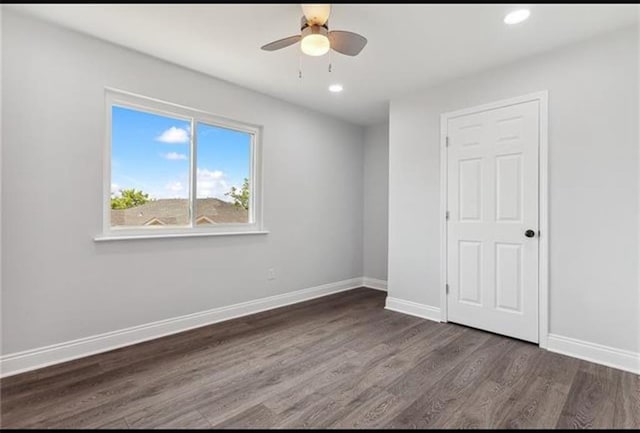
129, 198
240, 196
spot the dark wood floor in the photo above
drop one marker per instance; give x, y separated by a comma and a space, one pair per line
338, 361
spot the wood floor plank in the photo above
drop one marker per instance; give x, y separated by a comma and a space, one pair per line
307, 372
188, 420
240, 372
433, 367
377, 366
297, 403
256, 417
160, 390
539, 402
341, 361
261, 388
591, 399
489, 403
370, 410
118, 424
319, 409
41, 397
14, 387
90, 392
627, 404
292, 396
443, 399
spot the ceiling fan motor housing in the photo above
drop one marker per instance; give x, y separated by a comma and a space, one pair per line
315, 30
304, 24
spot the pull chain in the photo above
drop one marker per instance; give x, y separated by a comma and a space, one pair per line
330, 62
300, 65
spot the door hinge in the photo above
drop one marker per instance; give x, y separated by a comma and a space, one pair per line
446, 288
446, 141
446, 215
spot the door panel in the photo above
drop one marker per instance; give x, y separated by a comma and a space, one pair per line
509, 277
470, 271
492, 268
509, 187
470, 184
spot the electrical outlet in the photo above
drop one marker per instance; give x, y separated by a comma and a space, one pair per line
271, 274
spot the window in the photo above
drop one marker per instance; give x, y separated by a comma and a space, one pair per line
172, 170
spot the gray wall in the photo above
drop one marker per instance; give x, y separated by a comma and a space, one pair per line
376, 200
59, 285
593, 145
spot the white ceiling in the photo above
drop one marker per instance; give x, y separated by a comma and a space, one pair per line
410, 46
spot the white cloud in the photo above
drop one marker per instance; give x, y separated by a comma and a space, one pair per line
175, 186
115, 189
212, 183
174, 156
174, 190
174, 135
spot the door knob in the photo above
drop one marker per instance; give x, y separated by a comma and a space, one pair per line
529, 233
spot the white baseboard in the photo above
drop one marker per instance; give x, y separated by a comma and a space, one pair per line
605, 355
374, 283
20, 362
413, 308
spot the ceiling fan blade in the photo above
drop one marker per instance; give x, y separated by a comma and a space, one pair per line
281, 43
347, 43
316, 14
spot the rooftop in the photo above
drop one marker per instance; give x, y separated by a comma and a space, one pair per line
176, 212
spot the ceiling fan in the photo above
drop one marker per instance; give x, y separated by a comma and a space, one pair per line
316, 39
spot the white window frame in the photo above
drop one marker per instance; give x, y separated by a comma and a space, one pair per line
115, 97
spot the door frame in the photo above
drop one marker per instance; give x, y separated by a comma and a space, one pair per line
543, 209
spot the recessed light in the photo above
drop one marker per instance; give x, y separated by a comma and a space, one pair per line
516, 17
335, 88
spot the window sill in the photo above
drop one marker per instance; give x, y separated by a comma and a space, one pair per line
130, 237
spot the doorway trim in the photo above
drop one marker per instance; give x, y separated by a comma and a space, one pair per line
543, 209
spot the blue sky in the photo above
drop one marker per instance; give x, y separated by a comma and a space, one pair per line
151, 152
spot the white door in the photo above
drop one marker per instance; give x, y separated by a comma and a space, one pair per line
492, 228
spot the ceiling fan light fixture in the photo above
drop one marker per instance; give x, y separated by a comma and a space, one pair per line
315, 41
316, 13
